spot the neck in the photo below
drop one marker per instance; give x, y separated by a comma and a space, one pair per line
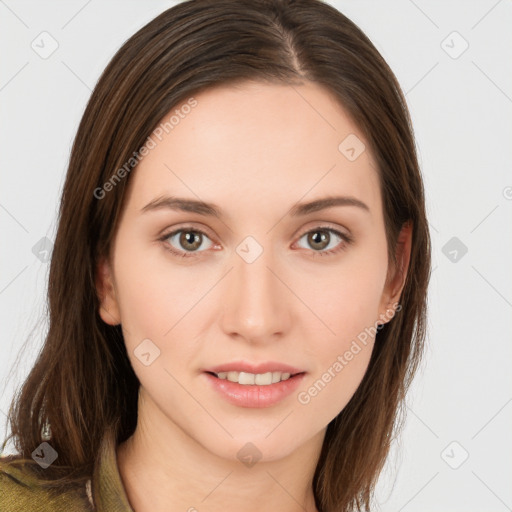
163, 468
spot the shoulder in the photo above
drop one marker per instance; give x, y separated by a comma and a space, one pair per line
20, 489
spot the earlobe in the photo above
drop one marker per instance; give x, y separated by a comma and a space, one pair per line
105, 289
398, 273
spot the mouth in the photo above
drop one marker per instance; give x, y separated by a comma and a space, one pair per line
255, 379
254, 390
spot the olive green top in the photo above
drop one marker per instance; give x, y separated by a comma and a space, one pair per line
20, 490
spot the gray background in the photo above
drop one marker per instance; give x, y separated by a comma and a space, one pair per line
456, 448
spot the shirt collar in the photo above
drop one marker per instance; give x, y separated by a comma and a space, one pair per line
108, 493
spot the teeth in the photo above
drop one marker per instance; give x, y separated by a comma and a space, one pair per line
260, 379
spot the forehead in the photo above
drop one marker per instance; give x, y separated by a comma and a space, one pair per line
258, 145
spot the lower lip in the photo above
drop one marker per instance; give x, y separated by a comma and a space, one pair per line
252, 395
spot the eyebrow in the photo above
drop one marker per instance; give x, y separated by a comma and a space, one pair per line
212, 210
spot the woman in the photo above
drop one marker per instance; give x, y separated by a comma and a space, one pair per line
238, 284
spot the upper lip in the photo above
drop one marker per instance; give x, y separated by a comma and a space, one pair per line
243, 366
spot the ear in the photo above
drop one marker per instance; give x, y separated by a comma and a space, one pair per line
105, 288
397, 274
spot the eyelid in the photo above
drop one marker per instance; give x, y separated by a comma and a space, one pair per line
187, 226
319, 225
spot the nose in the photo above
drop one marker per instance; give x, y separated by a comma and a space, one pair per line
256, 301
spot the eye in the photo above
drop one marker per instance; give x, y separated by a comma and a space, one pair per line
323, 237
188, 241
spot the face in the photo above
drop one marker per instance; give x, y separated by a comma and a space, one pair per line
262, 280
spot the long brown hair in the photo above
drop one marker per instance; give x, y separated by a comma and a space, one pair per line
82, 382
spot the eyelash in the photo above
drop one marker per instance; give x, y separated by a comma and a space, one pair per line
346, 241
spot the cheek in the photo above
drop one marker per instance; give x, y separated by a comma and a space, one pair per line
340, 355
345, 299
158, 300
341, 345
326, 392
154, 293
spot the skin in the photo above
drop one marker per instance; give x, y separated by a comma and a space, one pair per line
254, 150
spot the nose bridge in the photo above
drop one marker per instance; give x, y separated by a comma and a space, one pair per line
255, 307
